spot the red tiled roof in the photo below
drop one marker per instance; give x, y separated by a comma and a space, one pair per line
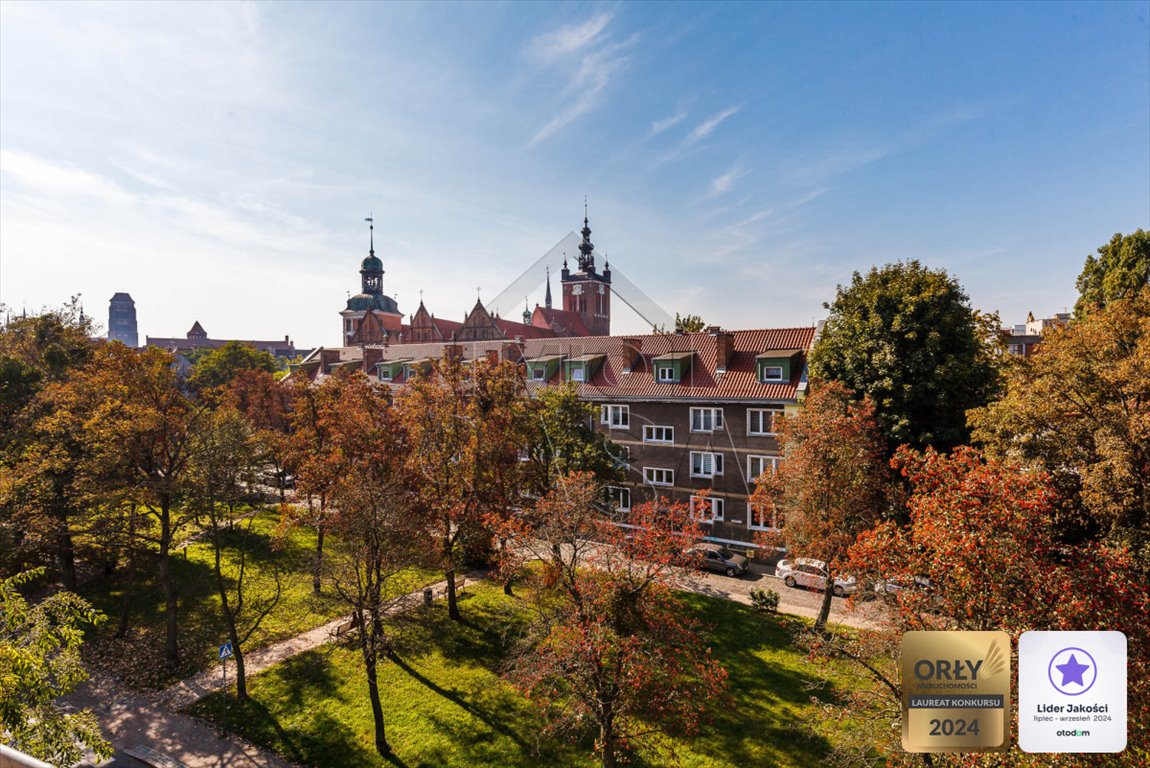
570, 321
701, 380
511, 329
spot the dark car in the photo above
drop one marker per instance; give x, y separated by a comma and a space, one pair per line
717, 558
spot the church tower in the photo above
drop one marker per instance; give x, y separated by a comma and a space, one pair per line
371, 316
588, 292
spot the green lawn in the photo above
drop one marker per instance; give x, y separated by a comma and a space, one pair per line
445, 704
138, 658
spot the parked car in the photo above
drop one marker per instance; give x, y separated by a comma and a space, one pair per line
805, 572
717, 558
895, 585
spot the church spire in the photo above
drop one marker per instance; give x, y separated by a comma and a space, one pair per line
371, 235
547, 298
586, 249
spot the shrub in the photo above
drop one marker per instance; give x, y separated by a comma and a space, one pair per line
765, 600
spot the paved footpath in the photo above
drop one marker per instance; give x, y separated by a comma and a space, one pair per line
146, 729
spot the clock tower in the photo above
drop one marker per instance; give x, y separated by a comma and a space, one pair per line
587, 292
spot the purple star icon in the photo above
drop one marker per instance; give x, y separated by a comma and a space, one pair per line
1072, 671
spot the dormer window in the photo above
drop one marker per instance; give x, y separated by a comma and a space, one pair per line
776, 365
543, 368
582, 368
672, 367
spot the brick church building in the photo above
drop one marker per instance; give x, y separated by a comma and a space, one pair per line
372, 317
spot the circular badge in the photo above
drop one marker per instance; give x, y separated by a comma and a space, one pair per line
1072, 671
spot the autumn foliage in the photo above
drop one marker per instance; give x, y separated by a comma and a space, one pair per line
612, 646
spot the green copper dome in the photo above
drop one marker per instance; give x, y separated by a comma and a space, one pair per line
362, 302
371, 264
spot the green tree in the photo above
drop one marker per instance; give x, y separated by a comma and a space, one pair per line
39, 662
220, 366
560, 439
688, 323
1121, 270
222, 470
1080, 411
905, 336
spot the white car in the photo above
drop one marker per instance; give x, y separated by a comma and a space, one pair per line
805, 572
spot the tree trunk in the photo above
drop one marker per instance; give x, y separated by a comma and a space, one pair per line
607, 740
452, 602
927, 759
507, 588
66, 557
229, 615
317, 566
825, 609
126, 599
381, 745
172, 649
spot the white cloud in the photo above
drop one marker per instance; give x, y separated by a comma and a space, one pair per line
723, 183
666, 123
589, 60
566, 41
704, 129
59, 181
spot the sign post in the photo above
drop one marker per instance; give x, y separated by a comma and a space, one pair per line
225, 652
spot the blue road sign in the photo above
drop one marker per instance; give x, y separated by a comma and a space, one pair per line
225, 651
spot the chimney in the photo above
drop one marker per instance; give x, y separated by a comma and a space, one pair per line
492, 356
629, 349
453, 352
724, 346
371, 356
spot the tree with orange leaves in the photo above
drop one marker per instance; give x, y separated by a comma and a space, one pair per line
982, 543
612, 645
832, 482
377, 535
466, 426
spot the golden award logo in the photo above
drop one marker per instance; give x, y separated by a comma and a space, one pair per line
955, 691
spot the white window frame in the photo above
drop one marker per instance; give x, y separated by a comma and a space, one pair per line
577, 374
538, 372
615, 416
755, 527
666, 373
619, 492
707, 459
752, 413
716, 419
764, 378
718, 507
385, 374
772, 461
650, 472
649, 432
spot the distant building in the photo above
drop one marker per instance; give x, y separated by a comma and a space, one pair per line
1023, 339
122, 320
373, 317
197, 338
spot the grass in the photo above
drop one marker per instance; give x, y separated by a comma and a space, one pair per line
446, 705
138, 658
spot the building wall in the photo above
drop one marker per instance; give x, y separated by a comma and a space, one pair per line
733, 442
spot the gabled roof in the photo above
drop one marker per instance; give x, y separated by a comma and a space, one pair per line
560, 321
739, 381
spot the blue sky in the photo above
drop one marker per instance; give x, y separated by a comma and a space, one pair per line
217, 161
